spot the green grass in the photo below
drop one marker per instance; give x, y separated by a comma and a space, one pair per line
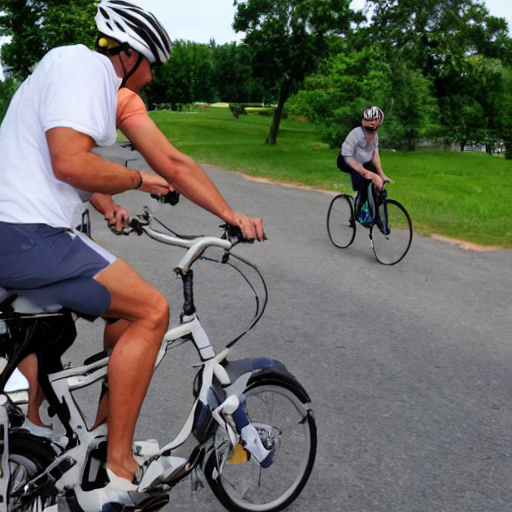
460, 195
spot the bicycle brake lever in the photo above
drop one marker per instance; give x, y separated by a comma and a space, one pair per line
136, 225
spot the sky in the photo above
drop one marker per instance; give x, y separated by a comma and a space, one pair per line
203, 20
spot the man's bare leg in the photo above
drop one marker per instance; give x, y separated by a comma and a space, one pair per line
28, 367
132, 360
112, 333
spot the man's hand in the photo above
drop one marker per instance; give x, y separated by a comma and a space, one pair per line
252, 228
377, 181
117, 218
155, 184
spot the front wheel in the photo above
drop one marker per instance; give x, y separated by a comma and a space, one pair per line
341, 225
391, 245
243, 485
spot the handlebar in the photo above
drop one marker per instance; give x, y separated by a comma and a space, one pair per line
196, 245
231, 236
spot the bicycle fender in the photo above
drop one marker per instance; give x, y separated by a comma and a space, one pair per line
259, 370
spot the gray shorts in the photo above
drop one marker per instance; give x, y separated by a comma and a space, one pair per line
56, 265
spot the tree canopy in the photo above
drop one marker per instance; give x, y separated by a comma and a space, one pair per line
36, 27
288, 38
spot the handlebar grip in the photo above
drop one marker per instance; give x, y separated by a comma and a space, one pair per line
234, 234
171, 198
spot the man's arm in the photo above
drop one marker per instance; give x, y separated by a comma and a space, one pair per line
75, 164
184, 174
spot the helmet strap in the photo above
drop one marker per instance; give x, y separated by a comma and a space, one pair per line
128, 74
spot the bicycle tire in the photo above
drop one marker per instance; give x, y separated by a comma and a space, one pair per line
246, 487
28, 457
391, 248
341, 225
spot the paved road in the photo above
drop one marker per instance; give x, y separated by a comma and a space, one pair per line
409, 367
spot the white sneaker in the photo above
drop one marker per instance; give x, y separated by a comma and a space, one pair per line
105, 499
36, 430
121, 484
118, 494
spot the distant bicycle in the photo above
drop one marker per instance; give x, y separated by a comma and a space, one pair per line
390, 227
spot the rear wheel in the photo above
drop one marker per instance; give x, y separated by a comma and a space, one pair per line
390, 247
341, 225
28, 457
244, 485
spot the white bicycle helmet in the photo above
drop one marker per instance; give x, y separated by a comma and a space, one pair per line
136, 28
370, 113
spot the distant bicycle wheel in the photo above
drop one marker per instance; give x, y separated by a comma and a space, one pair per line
391, 247
341, 225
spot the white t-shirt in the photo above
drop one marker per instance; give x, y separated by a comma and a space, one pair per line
72, 87
356, 146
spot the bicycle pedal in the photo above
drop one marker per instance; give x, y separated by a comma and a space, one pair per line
163, 469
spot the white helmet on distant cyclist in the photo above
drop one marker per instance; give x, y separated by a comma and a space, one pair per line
133, 27
370, 113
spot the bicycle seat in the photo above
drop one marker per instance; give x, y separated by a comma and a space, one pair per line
31, 324
27, 302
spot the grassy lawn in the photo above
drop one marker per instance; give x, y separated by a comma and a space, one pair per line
460, 195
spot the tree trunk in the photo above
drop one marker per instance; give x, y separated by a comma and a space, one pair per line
284, 92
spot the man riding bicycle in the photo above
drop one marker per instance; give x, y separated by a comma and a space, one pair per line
359, 156
58, 115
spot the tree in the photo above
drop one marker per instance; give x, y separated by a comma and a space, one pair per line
186, 77
507, 109
334, 98
232, 76
36, 27
288, 38
410, 106
447, 41
476, 106
438, 36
